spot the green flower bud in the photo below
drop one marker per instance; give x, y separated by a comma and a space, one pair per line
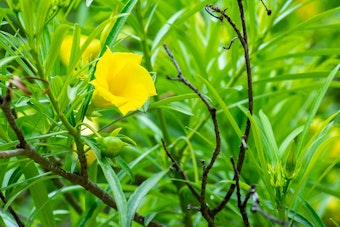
111, 146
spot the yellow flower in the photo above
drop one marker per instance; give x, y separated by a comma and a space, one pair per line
89, 54
308, 10
335, 147
121, 81
90, 156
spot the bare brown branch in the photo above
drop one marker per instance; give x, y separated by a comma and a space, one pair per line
243, 145
27, 150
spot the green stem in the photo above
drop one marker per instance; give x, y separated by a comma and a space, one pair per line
146, 51
90, 127
148, 65
73, 131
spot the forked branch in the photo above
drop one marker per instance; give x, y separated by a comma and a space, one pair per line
205, 210
243, 37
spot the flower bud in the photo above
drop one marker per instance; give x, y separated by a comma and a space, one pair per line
111, 146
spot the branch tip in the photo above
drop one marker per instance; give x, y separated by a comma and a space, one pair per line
269, 11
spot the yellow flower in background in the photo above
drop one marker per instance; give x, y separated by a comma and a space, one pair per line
335, 147
90, 156
121, 81
89, 54
308, 10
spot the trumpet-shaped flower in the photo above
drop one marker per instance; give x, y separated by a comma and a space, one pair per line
121, 81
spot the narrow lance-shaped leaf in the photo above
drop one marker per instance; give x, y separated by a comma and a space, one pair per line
137, 197
112, 180
315, 106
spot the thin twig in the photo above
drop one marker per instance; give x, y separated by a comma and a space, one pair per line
223, 15
245, 136
205, 210
240, 204
12, 211
243, 146
5, 103
180, 171
249, 193
269, 11
11, 153
231, 43
256, 208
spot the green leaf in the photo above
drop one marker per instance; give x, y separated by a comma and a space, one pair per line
315, 106
299, 218
137, 197
4, 61
116, 188
136, 161
125, 167
39, 194
2, 223
317, 52
179, 107
311, 158
177, 18
112, 180
284, 145
311, 214
41, 15
224, 106
88, 3
8, 42
117, 27
301, 26
268, 135
172, 99
257, 140
296, 76
307, 155
54, 50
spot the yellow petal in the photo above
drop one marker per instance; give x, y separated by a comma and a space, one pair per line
134, 84
122, 81
111, 63
65, 50
103, 97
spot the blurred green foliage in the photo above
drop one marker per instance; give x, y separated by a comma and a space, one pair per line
294, 148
